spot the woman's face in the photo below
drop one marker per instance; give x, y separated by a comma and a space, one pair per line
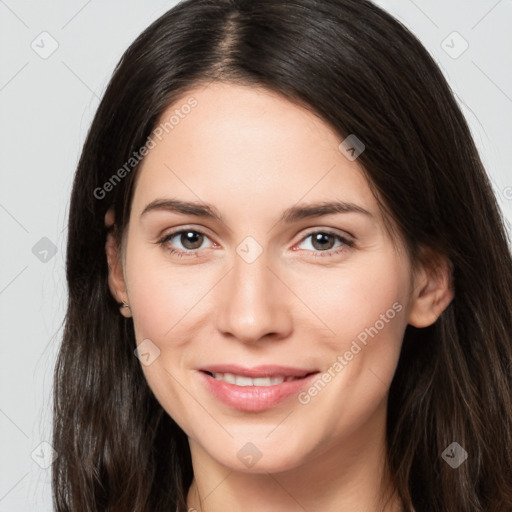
265, 284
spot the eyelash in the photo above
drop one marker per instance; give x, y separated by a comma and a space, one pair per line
332, 252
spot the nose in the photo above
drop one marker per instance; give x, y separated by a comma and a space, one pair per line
253, 302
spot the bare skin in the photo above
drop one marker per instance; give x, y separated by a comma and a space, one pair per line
252, 154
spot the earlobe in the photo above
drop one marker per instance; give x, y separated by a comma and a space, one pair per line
116, 281
432, 293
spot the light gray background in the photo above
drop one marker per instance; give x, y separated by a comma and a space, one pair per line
46, 107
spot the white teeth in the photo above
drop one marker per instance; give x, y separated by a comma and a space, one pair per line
244, 381
228, 377
247, 381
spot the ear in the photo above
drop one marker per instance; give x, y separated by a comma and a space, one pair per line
116, 281
433, 290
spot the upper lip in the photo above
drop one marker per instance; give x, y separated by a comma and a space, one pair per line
258, 371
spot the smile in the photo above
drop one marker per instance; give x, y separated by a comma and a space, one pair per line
255, 390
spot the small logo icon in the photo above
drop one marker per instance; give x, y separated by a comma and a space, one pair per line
454, 455
351, 147
454, 45
249, 249
44, 45
147, 352
44, 455
249, 454
44, 250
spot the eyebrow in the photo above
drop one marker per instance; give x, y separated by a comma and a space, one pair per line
292, 214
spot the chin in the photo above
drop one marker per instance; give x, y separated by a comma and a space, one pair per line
258, 455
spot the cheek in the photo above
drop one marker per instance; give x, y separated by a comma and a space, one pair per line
359, 301
365, 310
162, 295
165, 302
360, 360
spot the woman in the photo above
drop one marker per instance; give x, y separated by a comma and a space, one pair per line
215, 355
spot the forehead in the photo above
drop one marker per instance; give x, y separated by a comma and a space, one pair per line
250, 143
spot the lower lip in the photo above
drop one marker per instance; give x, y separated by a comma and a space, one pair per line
254, 398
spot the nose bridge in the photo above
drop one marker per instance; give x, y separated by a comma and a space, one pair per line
252, 302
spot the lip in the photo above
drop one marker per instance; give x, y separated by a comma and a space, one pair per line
255, 398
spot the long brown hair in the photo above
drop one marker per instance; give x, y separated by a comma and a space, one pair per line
364, 73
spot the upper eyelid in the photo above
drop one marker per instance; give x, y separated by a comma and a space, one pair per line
178, 231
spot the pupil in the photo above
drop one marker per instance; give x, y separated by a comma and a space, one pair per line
189, 236
322, 238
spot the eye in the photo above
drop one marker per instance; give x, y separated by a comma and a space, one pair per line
191, 240
322, 242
